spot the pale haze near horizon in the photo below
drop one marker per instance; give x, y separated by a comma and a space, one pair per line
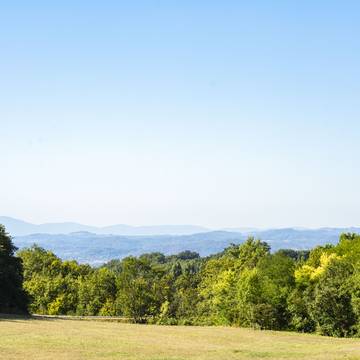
214, 114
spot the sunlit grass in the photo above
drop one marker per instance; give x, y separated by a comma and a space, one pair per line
74, 340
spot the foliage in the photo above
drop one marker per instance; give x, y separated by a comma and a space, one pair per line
12, 297
245, 285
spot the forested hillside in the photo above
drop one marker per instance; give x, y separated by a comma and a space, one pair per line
244, 285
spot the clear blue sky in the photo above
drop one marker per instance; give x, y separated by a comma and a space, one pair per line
217, 113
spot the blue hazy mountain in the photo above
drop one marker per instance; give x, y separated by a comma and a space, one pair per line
18, 227
96, 245
87, 247
97, 248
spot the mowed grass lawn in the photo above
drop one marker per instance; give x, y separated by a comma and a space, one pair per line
86, 340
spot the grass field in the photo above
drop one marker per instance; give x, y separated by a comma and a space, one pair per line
58, 339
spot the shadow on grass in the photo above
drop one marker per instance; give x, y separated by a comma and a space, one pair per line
18, 317
14, 317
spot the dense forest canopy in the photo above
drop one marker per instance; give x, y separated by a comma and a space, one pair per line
245, 285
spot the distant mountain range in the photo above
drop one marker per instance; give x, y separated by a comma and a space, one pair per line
18, 227
75, 241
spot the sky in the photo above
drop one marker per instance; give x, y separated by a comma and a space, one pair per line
214, 113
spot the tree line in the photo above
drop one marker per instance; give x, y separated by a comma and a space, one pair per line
245, 285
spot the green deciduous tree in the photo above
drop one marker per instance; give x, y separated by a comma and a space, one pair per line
12, 296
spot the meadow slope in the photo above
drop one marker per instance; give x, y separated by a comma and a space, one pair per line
57, 339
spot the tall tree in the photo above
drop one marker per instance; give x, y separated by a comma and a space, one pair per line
12, 296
